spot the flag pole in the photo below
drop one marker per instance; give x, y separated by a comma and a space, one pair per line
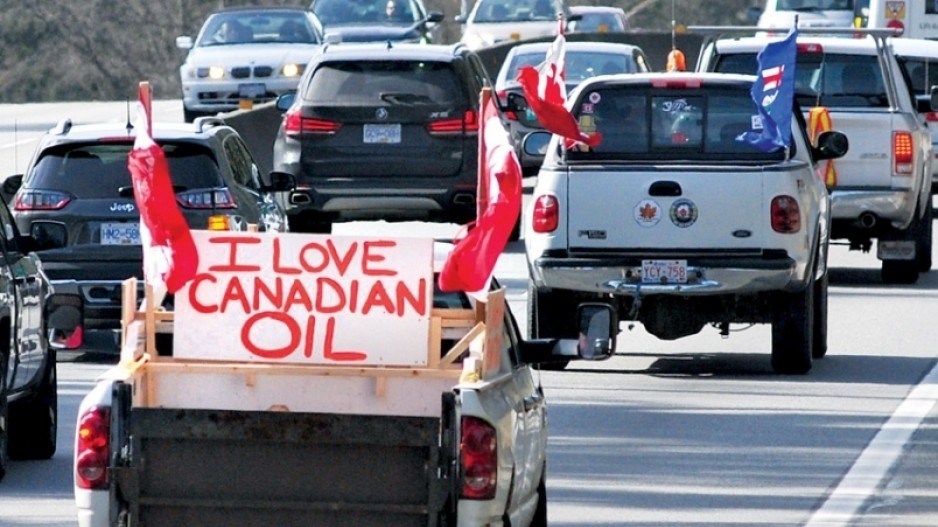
145, 95
482, 187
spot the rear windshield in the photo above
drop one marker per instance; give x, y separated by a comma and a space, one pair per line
394, 82
100, 170
648, 124
825, 79
580, 65
921, 74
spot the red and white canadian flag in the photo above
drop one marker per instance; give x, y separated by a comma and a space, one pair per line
169, 253
546, 93
470, 264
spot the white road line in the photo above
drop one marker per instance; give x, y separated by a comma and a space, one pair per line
867, 473
19, 143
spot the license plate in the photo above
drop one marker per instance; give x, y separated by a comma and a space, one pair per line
895, 250
664, 271
120, 234
251, 91
388, 134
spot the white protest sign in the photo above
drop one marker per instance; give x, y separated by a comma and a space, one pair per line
309, 299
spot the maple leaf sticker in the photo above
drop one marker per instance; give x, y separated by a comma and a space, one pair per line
648, 211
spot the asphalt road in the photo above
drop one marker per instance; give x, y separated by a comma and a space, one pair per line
694, 432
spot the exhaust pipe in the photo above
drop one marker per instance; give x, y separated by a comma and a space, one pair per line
464, 200
867, 220
300, 198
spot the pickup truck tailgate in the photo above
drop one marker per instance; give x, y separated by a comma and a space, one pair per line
651, 210
225, 468
868, 162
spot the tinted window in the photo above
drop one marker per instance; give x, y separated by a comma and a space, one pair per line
598, 23
395, 82
580, 65
825, 79
516, 11
257, 27
338, 12
679, 125
922, 74
242, 166
100, 170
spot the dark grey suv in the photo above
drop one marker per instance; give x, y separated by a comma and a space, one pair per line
382, 132
76, 200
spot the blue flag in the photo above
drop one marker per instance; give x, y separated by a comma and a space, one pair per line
773, 93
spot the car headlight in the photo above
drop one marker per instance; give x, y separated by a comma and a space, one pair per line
212, 72
291, 70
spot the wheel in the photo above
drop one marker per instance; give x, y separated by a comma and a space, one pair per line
36, 419
540, 513
899, 271
551, 314
923, 240
792, 332
819, 347
4, 419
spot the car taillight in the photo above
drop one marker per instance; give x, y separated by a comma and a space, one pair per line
217, 198
676, 83
786, 215
41, 200
295, 124
478, 450
931, 117
902, 153
93, 448
810, 48
546, 214
468, 123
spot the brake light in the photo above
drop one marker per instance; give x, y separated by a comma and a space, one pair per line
218, 198
469, 122
93, 448
295, 124
810, 48
546, 214
478, 460
931, 117
902, 153
786, 215
41, 200
675, 83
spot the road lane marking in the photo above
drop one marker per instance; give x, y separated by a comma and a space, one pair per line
870, 469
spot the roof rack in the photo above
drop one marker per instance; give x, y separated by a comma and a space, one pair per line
852, 31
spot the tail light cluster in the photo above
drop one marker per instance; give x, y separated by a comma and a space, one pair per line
478, 460
93, 449
786, 215
212, 198
546, 214
41, 200
468, 123
903, 152
295, 124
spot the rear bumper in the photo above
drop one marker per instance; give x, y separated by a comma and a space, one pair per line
430, 201
894, 206
706, 276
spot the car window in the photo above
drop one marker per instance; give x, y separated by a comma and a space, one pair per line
257, 27
97, 170
517, 10
339, 12
639, 123
401, 82
580, 65
598, 23
825, 79
242, 166
921, 74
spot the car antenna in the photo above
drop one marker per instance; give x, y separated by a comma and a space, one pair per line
129, 126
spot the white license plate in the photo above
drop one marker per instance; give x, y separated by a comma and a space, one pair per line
120, 234
389, 134
661, 271
895, 250
251, 91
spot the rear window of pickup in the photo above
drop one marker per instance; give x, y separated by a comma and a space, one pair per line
825, 79
642, 123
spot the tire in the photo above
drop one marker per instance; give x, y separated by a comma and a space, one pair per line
819, 346
36, 419
923, 240
540, 513
792, 332
4, 420
900, 271
551, 315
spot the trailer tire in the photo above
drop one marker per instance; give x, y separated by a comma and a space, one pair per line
36, 418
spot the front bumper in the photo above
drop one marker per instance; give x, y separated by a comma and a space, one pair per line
223, 95
706, 276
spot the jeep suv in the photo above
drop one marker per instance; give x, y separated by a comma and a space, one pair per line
382, 132
76, 200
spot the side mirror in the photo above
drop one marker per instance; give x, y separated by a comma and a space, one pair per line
459, 19
63, 314
535, 144
831, 145
281, 182
184, 42
923, 105
285, 100
10, 186
599, 325
435, 17
48, 235
933, 98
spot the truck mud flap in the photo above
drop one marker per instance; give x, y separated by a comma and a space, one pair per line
222, 468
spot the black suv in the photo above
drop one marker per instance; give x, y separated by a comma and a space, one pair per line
76, 201
382, 132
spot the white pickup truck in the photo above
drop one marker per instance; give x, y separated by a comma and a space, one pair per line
678, 223
881, 189
314, 380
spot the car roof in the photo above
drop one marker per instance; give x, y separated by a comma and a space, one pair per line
611, 47
906, 47
580, 9
648, 78
384, 51
162, 131
850, 46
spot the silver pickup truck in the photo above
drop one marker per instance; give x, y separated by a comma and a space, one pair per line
881, 189
676, 222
